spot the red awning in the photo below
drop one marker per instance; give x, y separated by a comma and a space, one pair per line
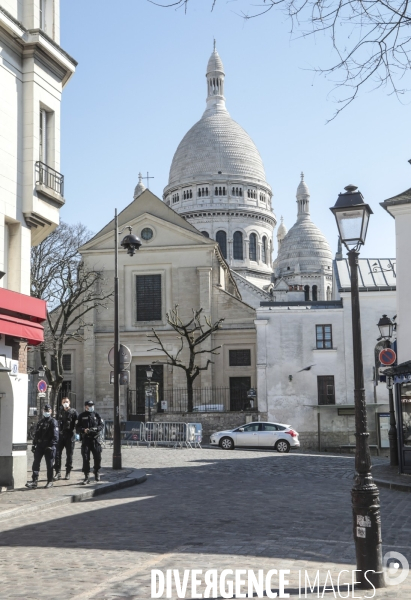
28, 330
33, 308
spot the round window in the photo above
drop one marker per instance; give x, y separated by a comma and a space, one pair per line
147, 233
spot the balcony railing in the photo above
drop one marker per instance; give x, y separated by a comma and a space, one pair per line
47, 176
204, 400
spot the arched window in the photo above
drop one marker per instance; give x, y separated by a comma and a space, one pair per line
233, 192
221, 238
216, 191
205, 234
328, 293
238, 245
306, 293
223, 191
264, 250
241, 192
206, 191
314, 293
220, 193
253, 247
199, 193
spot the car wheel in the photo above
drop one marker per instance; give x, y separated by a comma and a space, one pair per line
227, 443
282, 446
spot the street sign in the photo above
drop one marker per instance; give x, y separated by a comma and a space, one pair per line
42, 386
387, 357
41, 395
124, 377
125, 356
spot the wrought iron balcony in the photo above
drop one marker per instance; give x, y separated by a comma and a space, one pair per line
50, 178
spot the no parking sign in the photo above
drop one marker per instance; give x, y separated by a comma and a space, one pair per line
387, 357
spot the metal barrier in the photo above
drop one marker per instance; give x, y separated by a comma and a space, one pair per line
176, 435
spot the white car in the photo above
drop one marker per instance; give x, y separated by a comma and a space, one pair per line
259, 434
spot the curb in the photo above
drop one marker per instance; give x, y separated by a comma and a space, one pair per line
137, 477
398, 487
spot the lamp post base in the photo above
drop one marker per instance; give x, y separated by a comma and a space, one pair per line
117, 462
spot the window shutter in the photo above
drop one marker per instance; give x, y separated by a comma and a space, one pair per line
148, 297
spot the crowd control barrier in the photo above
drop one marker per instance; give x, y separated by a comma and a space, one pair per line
177, 435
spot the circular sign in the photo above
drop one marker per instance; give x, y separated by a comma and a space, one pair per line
42, 386
387, 357
125, 356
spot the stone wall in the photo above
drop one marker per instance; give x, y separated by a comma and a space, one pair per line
212, 422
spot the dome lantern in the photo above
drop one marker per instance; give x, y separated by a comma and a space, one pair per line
303, 199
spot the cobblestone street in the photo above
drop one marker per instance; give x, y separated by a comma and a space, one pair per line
198, 509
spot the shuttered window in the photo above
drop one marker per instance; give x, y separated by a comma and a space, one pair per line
66, 362
240, 358
326, 389
148, 297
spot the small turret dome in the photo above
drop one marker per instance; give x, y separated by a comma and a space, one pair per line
140, 187
282, 230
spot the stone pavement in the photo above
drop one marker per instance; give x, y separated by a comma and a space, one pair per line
199, 509
17, 502
390, 477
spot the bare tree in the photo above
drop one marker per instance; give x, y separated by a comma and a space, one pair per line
59, 276
371, 39
191, 334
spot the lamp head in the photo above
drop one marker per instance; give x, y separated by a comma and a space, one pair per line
149, 372
386, 326
352, 215
131, 243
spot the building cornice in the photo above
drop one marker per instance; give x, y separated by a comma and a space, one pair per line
35, 42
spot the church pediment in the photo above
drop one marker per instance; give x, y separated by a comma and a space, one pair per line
153, 222
281, 286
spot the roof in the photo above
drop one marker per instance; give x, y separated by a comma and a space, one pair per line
309, 304
403, 198
215, 63
369, 280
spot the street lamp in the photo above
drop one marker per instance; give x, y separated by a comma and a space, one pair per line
131, 243
386, 327
149, 390
352, 217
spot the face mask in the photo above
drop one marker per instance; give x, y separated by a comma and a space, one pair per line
91, 408
66, 404
46, 414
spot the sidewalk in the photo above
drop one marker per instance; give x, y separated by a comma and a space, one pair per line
386, 476
14, 503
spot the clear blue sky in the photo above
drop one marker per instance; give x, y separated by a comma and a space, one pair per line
140, 85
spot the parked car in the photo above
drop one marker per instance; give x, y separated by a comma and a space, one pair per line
260, 434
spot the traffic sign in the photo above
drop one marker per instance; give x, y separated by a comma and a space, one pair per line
387, 357
124, 358
41, 395
42, 386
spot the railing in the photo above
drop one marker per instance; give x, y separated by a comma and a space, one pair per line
204, 400
47, 176
177, 435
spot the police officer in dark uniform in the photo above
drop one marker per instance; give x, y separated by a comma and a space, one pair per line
67, 423
44, 444
89, 426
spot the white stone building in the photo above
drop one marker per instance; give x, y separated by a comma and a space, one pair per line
33, 71
304, 358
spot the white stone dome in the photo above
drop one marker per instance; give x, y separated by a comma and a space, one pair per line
216, 143
305, 246
282, 230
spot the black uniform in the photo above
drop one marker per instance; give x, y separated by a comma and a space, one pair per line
44, 444
67, 424
90, 441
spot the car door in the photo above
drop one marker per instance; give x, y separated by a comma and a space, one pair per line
268, 435
248, 437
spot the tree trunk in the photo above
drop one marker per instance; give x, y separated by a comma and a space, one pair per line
55, 389
189, 395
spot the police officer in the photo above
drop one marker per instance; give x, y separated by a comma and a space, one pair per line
90, 426
44, 444
67, 422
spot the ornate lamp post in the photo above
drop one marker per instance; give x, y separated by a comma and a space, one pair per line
149, 373
386, 327
352, 217
131, 243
